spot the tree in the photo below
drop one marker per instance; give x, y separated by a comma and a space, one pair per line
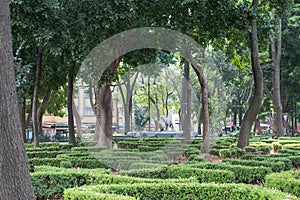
256, 101
15, 181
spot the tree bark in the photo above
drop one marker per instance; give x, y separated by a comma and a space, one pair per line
205, 113
256, 101
276, 57
105, 137
15, 180
41, 110
23, 118
77, 120
71, 75
98, 115
35, 97
187, 120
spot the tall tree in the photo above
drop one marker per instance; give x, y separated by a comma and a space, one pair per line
256, 101
15, 182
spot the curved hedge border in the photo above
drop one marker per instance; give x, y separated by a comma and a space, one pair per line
180, 191
243, 174
288, 181
203, 175
275, 166
54, 180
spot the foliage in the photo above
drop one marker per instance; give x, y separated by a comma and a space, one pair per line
183, 191
288, 182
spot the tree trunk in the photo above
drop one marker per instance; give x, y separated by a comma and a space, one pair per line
35, 98
205, 113
71, 75
15, 180
187, 120
41, 110
256, 101
105, 138
23, 117
276, 57
98, 115
77, 120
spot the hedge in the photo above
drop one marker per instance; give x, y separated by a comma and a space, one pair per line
288, 181
182, 191
286, 160
43, 154
243, 174
203, 175
83, 195
50, 183
275, 166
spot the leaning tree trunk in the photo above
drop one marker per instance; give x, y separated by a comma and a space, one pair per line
98, 115
276, 57
15, 180
41, 111
204, 96
35, 98
256, 101
71, 75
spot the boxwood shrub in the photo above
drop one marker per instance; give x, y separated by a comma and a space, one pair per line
288, 181
242, 174
182, 191
48, 184
203, 175
79, 194
275, 166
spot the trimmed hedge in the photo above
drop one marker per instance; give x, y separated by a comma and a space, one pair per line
275, 166
50, 183
287, 162
83, 195
43, 154
243, 174
203, 175
288, 181
182, 191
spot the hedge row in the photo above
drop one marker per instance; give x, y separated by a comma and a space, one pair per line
179, 191
48, 184
43, 154
275, 166
288, 181
243, 174
202, 175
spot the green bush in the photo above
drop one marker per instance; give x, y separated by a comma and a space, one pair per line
184, 191
203, 175
288, 181
144, 165
214, 152
83, 195
43, 154
237, 152
242, 174
287, 162
295, 160
225, 153
89, 148
249, 149
32, 149
275, 166
45, 161
196, 158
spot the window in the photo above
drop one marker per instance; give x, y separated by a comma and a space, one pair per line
88, 111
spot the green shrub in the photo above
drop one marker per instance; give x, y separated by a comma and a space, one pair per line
287, 162
237, 152
265, 150
288, 181
249, 149
295, 160
225, 153
196, 158
275, 166
43, 154
203, 175
89, 148
144, 165
45, 161
83, 195
50, 148
185, 191
214, 152
243, 174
